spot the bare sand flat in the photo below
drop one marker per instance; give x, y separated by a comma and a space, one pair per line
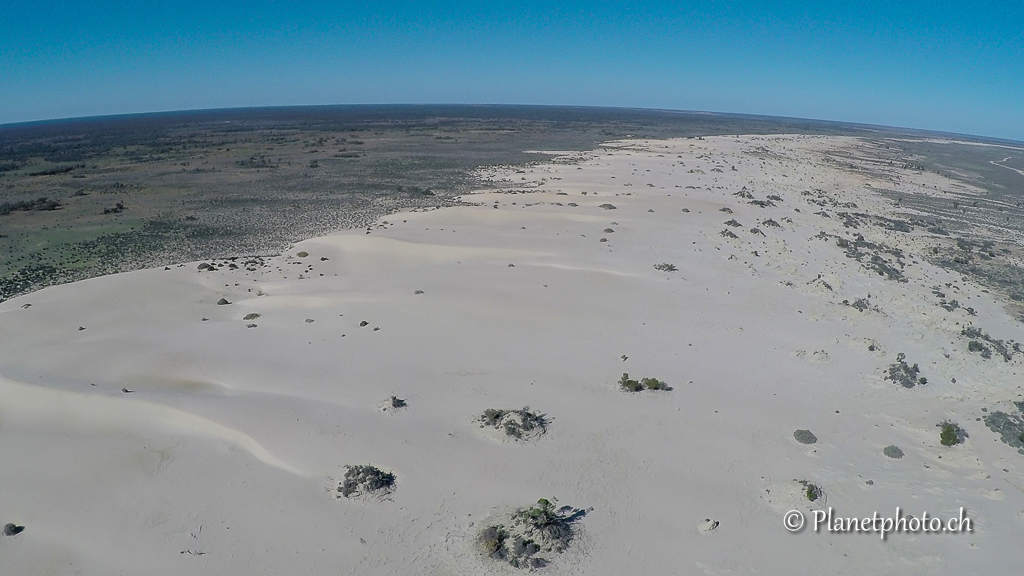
147, 429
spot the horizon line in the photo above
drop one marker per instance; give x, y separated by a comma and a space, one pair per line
863, 125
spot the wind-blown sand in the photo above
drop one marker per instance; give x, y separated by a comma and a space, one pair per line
224, 455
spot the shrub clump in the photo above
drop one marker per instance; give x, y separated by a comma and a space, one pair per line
516, 424
251, 316
394, 403
1010, 427
665, 267
627, 384
13, 529
893, 451
951, 434
805, 436
903, 374
366, 480
1004, 349
531, 535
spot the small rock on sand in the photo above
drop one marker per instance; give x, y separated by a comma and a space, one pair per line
707, 526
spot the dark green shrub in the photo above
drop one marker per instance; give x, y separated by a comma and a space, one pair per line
948, 436
629, 385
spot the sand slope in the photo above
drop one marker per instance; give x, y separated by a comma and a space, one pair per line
221, 457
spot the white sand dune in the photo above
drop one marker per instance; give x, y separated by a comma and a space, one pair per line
223, 456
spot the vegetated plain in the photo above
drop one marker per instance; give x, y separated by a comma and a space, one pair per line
84, 197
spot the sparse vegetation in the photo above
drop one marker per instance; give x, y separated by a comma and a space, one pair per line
532, 535
666, 267
904, 374
629, 385
812, 491
39, 204
517, 424
1009, 426
1005, 349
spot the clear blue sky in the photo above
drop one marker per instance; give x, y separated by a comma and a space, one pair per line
954, 66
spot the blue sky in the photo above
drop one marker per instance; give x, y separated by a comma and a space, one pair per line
953, 66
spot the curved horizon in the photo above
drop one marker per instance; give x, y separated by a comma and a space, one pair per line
130, 115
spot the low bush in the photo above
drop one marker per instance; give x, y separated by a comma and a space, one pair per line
366, 480
516, 424
532, 535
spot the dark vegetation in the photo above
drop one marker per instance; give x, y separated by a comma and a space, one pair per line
805, 437
1009, 426
904, 374
951, 434
366, 480
629, 385
893, 451
41, 204
983, 344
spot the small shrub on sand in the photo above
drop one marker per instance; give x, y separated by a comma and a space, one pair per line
607, 206
805, 436
812, 491
13, 529
629, 385
951, 434
654, 384
531, 536
975, 346
251, 316
893, 451
666, 267
394, 403
366, 480
903, 374
516, 424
